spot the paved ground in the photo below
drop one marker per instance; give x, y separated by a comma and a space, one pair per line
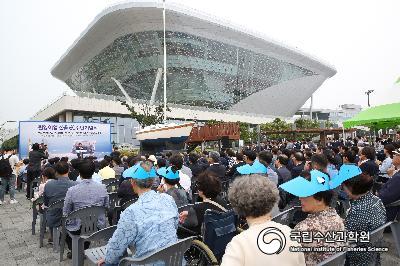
19, 247
17, 244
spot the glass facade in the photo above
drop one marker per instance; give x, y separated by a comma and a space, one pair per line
200, 71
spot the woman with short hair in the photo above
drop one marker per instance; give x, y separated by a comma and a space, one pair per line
253, 197
171, 186
315, 195
366, 214
209, 188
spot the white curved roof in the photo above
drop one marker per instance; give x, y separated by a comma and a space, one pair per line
131, 17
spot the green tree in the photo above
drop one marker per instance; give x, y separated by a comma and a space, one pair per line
147, 115
276, 125
10, 143
247, 134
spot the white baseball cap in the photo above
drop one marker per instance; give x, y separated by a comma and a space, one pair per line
153, 159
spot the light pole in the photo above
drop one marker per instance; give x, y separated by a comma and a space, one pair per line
368, 92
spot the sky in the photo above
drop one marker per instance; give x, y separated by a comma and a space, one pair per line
360, 38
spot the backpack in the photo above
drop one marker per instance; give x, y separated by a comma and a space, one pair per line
5, 167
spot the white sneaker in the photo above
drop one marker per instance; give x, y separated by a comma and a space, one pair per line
1, 203
13, 201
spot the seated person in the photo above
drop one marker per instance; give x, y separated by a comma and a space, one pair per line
170, 185
48, 174
56, 190
253, 197
315, 197
367, 213
106, 172
209, 188
84, 194
390, 191
149, 224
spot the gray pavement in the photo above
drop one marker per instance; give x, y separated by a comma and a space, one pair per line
19, 247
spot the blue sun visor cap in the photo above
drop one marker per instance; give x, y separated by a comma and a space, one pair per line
140, 173
244, 169
346, 172
259, 168
301, 187
168, 173
128, 173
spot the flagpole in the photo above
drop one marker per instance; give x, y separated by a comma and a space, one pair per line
165, 67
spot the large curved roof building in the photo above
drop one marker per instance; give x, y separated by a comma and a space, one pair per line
210, 64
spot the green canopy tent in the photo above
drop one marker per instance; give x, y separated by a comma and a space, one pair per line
383, 116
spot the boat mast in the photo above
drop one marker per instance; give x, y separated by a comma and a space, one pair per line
165, 67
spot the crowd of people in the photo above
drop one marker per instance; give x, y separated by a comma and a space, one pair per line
260, 181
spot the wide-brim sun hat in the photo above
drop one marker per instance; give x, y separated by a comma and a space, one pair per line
168, 173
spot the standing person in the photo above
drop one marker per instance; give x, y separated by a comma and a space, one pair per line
33, 170
8, 175
298, 164
284, 174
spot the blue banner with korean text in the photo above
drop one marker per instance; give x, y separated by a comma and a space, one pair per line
73, 140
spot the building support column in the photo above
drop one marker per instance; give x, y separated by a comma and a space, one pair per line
68, 116
61, 118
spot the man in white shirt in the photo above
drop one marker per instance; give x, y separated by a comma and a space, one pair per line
10, 179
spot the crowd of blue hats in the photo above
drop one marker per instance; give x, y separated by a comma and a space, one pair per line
138, 172
319, 181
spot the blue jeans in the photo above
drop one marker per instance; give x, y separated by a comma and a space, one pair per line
3, 187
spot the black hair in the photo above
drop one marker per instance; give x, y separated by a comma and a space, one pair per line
26, 161
64, 159
230, 153
49, 173
35, 147
266, 157
209, 184
355, 149
390, 148
325, 196
239, 156
103, 163
299, 156
61, 168
176, 161
359, 184
117, 160
283, 159
320, 159
161, 162
133, 160
251, 155
193, 157
172, 182
86, 169
350, 155
368, 152
168, 154
330, 156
